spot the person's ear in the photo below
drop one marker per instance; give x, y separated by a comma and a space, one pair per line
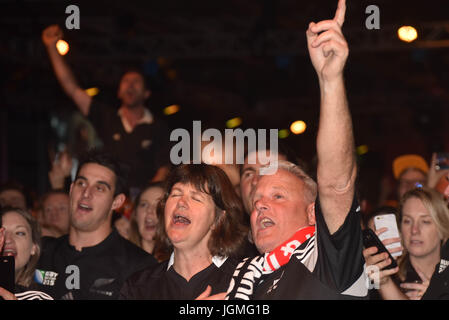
311, 214
34, 249
118, 201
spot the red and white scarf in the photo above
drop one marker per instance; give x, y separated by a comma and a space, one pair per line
281, 255
248, 273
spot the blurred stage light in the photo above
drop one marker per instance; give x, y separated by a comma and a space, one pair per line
407, 33
283, 133
171, 109
361, 150
92, 91
63, 47
298, 127
234, 122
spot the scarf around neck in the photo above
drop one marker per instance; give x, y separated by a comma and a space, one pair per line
248, 273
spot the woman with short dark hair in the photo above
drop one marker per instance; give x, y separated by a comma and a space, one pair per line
201, 220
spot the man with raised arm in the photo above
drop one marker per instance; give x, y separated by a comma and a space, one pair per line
309, 233
132, 132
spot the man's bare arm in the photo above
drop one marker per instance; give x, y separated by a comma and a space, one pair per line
337, 168
50, 37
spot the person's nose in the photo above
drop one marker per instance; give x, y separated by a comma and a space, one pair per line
8, 237
254, 180
87, 192
260, 206
415, 228
182, 202
150, 211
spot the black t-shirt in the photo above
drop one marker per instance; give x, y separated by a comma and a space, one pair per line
328, 266
439, 283
144, 150
163, 283
96, 272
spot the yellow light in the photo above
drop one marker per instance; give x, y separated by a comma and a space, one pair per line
63, 47
171, 109
407, 33
298, 127
362, 149
283, 133
234, 122
92, 91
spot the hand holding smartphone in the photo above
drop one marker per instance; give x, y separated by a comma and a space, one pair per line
370, 239
7, 266
7, 273
388, 221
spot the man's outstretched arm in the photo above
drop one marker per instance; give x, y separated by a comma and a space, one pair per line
337, 168
50, 37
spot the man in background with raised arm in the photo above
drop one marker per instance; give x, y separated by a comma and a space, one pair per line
132, 132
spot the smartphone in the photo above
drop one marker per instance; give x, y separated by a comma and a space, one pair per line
388, 221
370, 239
442, 161
7, 273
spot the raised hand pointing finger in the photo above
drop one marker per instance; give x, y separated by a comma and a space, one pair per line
340, 13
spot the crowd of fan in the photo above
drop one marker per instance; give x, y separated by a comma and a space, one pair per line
223, 231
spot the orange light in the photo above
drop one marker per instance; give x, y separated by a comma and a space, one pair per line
92, 91
298, 127
63, 47
407, 33
171, 109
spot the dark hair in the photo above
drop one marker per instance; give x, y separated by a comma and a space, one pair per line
160, 250
25, 277
46, 195
16, 186
111, 162
378, 211
157, 184
146, 82
230, 230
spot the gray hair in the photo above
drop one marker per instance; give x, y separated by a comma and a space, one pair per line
311, 188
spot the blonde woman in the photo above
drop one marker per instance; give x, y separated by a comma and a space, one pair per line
424, 224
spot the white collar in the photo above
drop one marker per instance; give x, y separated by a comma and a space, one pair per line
218, 261
147, 118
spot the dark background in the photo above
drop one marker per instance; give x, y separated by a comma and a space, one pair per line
221, 59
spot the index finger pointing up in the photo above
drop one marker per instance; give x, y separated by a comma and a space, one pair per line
340, 13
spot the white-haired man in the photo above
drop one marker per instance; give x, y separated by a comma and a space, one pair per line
309, 233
